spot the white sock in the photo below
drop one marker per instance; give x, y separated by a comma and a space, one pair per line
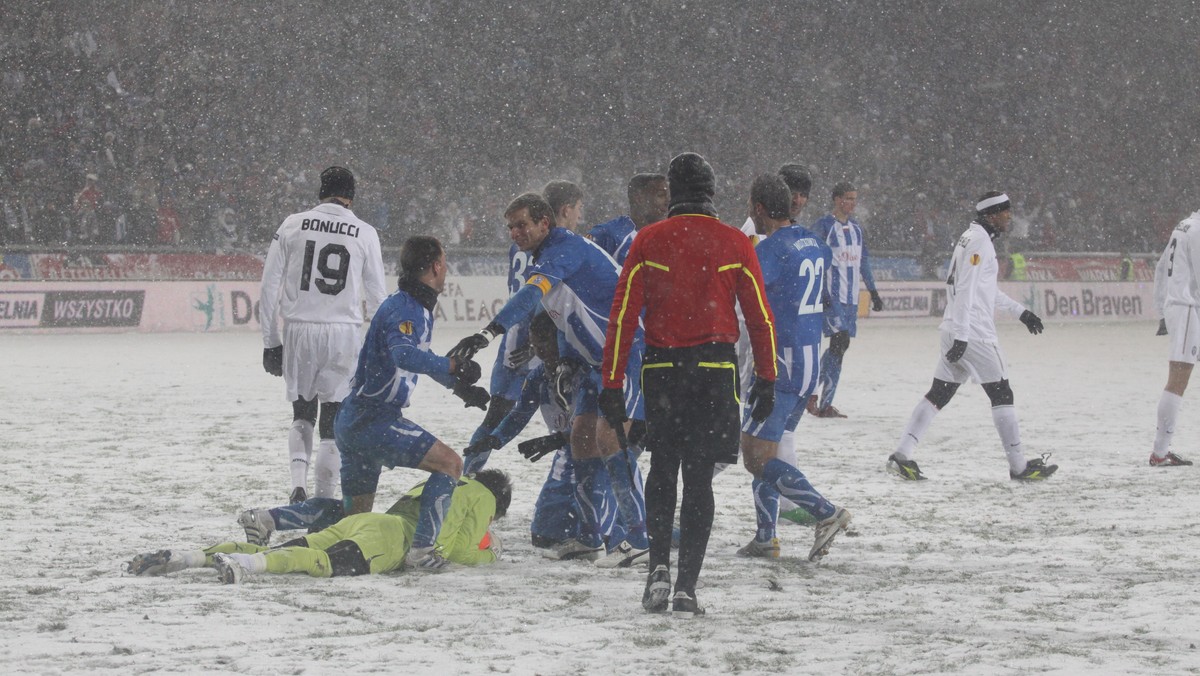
1005, 418
327, 469
251, 563
1168, 413
787, 453
300, 444
192, 559
918, 422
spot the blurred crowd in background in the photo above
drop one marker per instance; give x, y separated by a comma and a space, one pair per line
201, 125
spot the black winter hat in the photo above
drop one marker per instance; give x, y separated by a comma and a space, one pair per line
691, 180
337, 182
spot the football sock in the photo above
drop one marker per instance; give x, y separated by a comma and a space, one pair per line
252, 563
1005, 418
695, 522
1168, 412
766, 509
592, 499
306, 514
297, 560
792, 483
435, 502
918, 423
327, 481
831, 373
626, 479
661, 491
300, 444
787, 453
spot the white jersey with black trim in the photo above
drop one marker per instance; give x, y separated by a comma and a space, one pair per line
1176, 278
973, 295
322, 265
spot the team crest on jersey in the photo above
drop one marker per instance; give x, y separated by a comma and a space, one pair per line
974, 259
406, 328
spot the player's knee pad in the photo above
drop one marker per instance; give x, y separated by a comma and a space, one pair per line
305, 409
329, 411
498, 407
940, 393
999, 392
345, 558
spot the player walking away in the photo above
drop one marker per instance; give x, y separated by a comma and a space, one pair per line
371, 428
793, 263
685, 273
361, 544
573, 280
648, 201
1177, 298
566, 200
844, 235
322, 264
970, 348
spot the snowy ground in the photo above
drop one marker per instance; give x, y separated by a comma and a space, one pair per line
115, 444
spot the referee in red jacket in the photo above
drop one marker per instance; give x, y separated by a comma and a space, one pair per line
682, 277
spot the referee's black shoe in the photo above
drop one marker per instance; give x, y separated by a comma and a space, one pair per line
685, 605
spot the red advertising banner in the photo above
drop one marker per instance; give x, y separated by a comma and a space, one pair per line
1083, 269
130, 266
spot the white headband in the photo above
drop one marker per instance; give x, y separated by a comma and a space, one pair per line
991, 202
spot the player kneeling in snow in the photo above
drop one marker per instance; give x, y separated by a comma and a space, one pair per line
359, 544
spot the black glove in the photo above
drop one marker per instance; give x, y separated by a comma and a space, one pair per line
612, 406
273, 360
472, 395
520, 356
534, 449
876, 301
761, 399
637, 432
1162, 328
839, 343
1031, 322
467, 347
956, 351
466, 372
487, 443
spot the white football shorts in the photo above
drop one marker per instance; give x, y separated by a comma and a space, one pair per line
1183, 330
981, 363
318, 360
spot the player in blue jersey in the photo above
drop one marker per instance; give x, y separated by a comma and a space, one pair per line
793, 263
648, 202
513, 359
844, 235
371, 429
574, 281
556, 513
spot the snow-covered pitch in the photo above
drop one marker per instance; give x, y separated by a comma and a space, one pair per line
117, 444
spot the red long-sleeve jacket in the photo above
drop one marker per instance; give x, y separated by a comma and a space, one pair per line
686, 273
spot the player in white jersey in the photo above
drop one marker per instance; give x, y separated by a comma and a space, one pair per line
322, 265
970, 349
1177, 298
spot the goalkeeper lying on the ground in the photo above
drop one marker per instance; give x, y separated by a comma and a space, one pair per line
360, 544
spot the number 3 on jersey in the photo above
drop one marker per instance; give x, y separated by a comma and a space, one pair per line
813, 272
333, 277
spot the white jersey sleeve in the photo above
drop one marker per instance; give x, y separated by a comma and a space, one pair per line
1176, 281
964, 281
374, 284
268, 302
1007, 304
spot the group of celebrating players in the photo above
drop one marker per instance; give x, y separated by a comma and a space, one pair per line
663, 329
